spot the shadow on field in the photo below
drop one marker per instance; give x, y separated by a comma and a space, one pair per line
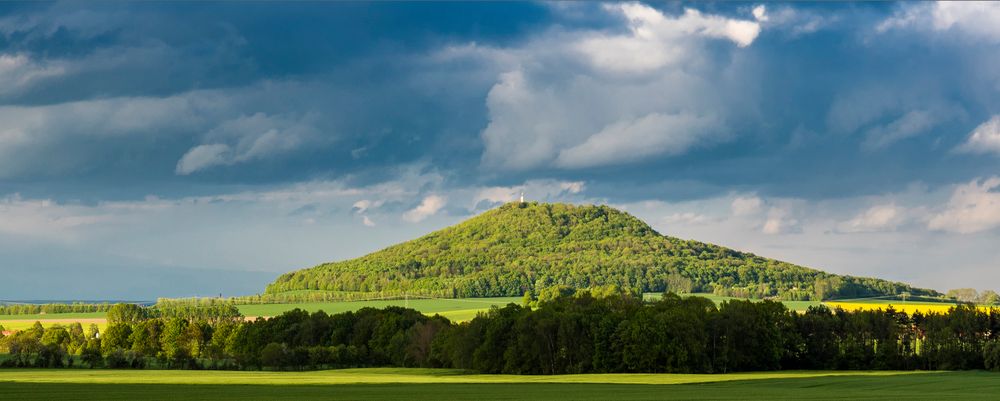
931, 386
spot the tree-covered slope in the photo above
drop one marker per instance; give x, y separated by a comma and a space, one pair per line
522, 247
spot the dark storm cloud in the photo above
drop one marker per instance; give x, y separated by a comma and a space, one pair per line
348, 89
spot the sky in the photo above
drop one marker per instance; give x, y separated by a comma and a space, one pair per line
182, 149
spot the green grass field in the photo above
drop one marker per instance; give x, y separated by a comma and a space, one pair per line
455, 309
433, 384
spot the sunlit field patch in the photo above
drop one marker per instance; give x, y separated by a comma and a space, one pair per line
900, 306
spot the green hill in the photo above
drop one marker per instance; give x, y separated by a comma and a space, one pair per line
521, 247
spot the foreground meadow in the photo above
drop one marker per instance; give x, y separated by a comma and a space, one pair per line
431, 384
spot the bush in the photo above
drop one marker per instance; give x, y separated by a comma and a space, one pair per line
91, 355
991, 355
274, 355
117, 360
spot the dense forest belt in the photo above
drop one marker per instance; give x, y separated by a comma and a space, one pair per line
573, 332
523, 248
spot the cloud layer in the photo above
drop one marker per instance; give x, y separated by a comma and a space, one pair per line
860, 139
621, 97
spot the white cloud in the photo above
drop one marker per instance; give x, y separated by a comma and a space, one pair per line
619, 97
910, 124
795, 22
201, 157
984, 139
973, 207
367, 221
779, 221
51, 220
34, 138
273, 232
878, 218
18, 71
745, 206
366, 205
889, 112
631, 140
46, 218
55, 138
977, 19
686, 218
253, 137
573, 187
428, 207
861, 106
498, 194
760, 13
656, 40
534, 190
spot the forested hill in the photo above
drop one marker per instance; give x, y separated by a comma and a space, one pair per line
521, 247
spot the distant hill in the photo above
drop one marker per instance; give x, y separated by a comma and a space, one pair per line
520, 247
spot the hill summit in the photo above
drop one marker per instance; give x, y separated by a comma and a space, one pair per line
522, 247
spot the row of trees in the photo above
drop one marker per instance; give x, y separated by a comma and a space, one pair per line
287, 297
36, 309
987, 297
50, 347
560, 331
584, 334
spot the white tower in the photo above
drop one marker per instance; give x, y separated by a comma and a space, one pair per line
522, 196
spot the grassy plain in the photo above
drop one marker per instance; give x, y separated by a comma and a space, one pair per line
419, 384
464, 308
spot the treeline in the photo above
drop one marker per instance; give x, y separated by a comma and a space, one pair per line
52, 347
519, 248
560, 332
36, 309
211, 310
326, 296
295, 340
987, 297
583, 334
165, 336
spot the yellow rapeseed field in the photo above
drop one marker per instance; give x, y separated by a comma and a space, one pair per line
908, 307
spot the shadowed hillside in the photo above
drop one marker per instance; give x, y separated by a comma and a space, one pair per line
522, 247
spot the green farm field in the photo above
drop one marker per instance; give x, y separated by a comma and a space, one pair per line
454, 309
432, 384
